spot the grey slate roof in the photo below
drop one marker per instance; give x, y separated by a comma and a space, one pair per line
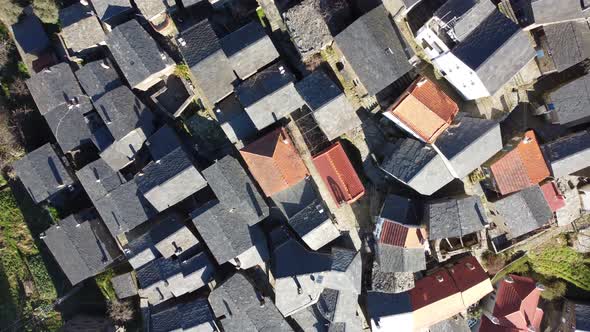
110, 9
30, 35
194, 315
571, 102
548, 11
469, 142
124, 285
235, 190
234, 120
314, 225
387, 311
208, 63
524, 211
141, 251
54, 88
340, 309
136, 52
80, 29
582, 317
464, 15
249, 49
170, 180
269, 95
398, 259
331, 109
456, 324
455, 217
401, 210
375, 50
295, 198
568, 42
240, 303
162, 142
151, 8
98, 179
496, 50
310, 319
569, 154
42, 173
417, 165
97, 78
226, 234
124, 208
172, 237
81, 246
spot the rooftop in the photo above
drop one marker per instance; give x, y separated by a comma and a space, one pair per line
97, 78
80, 29
109, 9
98, 179
551, 11
314, 225
569, 43
570, 103
307, 27
464, 15
568, 154
125, 285
455, 217
524, 211
30, 35
191, 315
234, 120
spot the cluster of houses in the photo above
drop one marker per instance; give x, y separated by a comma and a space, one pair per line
245, 240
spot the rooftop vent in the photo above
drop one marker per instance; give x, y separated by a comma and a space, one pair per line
84, 2
440, 278
104, 65
509, 279
470, 266
320, 208
181, 41
282, 70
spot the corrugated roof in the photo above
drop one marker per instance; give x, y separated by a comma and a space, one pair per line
274, 162
393, 234
339, 174
553, 196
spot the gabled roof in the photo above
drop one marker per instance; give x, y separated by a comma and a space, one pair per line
162, 142
468, 143
550, 11
389, 311
136, 52
141, 250
570, 103
521, 167
401, 210
417, 165
192, 315
331, 109
569, 154
455, 217
81, 246
296, 198
582, 316
98, 179
235, 190
400, 259
110, 9
339, 175
97, 78
80, 29
464, 15
269, 95
496, 50
249, 49
524, 211
274, 162
425, 109
30, 36
241, 305
172, 237
124, 285
553, 196
208, 63
151, 8
569, 43
170, 180
339, 308
374, 50
42, 173
226, 234
55, 87
314, 225
234, 120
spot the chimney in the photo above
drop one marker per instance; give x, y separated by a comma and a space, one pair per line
104, 65
470, 266
181, 41
439, 278
84, 2
508, 279
282, 70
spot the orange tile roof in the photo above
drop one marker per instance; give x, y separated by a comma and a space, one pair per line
274, 162
339, 174
521, 167
425, 109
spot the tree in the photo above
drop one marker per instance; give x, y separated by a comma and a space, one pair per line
18, 89
120, 311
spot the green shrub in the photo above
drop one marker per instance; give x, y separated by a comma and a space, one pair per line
22, 68
105, 285
41, 278
261, 16
182, 70
53, 212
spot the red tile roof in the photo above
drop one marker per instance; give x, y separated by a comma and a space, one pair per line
393, 234
339, 174
467, 273
553, 196
425, 109
521, 167
274, 162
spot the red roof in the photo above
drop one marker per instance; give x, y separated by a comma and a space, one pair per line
520, 168
467, 273
393, 234
553, 196
339, 175
274, 162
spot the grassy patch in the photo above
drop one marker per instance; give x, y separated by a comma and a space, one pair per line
261, 16
182, 70
105, 285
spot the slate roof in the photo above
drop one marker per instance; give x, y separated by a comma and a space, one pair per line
141, 250
549, 11
399, 259
42, 173
107, 10
331, 109
81, 246
295, 198
455, 217
582, 316
172, 237
98, 179
387, 311
569, 154
80, 29
151, 8
496, 50
249, 49
570, 103
274, 162
240, 303
234, 120
417, 165
97, 78
314, 225
226, 234
124, 285
374, 50
340, 309
170, 180
162, 142
401, 210
464, 15
136, 52
29, 35
124, 208
269, 95
235, 190
208, 63
524, 211
569, 43
469, 142
192, 315
55, 87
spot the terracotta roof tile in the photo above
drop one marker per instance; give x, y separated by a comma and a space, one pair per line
553, 196
393, 234
516, 303
339, 174
274, 162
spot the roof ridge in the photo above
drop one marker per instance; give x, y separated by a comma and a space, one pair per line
333, 165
